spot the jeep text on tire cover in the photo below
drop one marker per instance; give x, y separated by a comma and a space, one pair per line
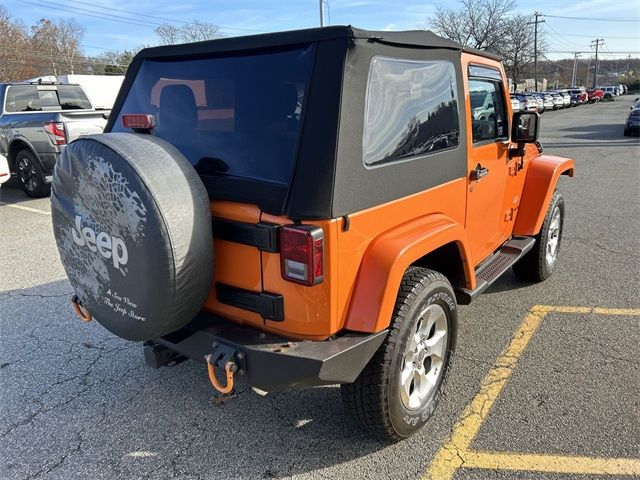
317, 205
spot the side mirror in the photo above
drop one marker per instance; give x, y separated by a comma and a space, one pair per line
525, 127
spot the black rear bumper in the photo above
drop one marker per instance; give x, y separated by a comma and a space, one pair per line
268, 362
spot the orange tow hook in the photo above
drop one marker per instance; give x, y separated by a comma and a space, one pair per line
82, 313
229, 369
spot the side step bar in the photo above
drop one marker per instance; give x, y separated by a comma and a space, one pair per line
487, 273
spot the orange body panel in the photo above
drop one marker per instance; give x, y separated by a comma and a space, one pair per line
235, 264
387, 259
542, 177
309, 311
383, 241
493, 201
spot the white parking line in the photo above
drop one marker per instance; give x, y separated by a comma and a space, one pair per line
27, 209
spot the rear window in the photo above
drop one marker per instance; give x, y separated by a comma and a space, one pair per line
411, 110
30, 98
72, 97
231, 116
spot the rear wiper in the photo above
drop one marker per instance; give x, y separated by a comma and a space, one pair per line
211, 166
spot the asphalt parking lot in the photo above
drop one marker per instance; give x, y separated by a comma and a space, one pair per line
545, 382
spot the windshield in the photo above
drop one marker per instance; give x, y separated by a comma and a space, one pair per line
234, 116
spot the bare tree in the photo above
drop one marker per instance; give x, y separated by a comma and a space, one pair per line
44, 44
490, 25
477, 24
58, 44
15, 57
69, 35
517, 49
195, 31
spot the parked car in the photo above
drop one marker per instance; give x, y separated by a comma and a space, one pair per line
576, 99
595, 95
515, 104
610, 92
632, 123
548, 101
539, 101
36, 122
582, 94
566, 98
527, 102
558, 100
5, 173
344, 238
482, 107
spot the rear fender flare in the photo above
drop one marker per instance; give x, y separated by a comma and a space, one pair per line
542, 176
388, 257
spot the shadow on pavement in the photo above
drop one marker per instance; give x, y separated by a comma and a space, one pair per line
77, 381
604, 131
12, 193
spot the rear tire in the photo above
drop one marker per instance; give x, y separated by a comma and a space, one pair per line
400, 387
30, 175
627, 133
540, 262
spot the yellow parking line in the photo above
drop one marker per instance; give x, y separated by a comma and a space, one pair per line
552, 463
617, 311
450, 457
455, 453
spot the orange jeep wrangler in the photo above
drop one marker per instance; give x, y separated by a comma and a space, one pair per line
308, 208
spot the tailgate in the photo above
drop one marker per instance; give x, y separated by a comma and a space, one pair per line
78, 124
237, 266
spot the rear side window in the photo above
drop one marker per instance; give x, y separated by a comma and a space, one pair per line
30, 98
23, 98
72, 97
411, 110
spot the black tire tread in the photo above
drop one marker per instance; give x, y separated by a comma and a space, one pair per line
43, 189
530, 268
366, 399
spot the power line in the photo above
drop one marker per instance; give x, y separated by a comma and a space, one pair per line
589, 36
617, 52
57, 7
594, 19
164, 19
112, 17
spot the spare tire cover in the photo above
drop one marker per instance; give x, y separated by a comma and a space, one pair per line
132, 222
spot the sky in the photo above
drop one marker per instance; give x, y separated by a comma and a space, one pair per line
118, 24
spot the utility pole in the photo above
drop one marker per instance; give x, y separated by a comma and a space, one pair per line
575, 68
535, 45
597, 42
322, 13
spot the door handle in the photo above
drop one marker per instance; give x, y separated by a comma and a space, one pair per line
479, 172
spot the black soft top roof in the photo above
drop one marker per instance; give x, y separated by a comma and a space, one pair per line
409, 38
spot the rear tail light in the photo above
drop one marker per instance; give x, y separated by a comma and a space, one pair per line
56, 132
302, 254
139, 121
